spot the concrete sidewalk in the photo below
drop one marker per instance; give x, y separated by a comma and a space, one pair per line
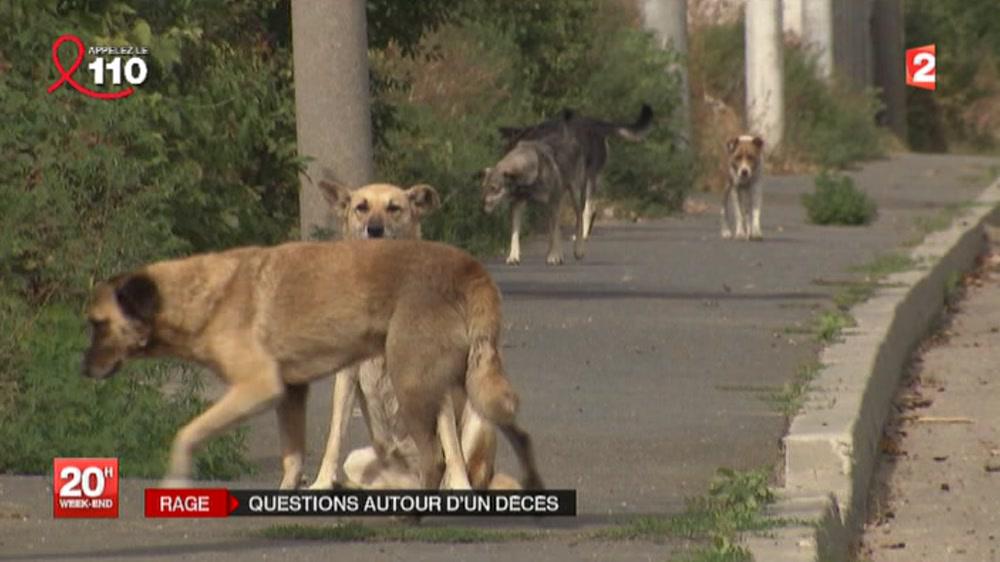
641, 369
937, 497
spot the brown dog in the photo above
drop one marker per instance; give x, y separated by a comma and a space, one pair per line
376, 211
270, 320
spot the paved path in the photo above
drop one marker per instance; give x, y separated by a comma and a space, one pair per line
640, 368
938, 495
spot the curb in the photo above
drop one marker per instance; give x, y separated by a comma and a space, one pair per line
832, 445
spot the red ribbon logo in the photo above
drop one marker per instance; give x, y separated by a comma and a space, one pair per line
66, 76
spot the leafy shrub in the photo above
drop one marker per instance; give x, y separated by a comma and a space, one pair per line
838, 201
827, 123
965, 112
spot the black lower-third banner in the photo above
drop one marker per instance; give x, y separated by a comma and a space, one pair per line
405, 502
221, 502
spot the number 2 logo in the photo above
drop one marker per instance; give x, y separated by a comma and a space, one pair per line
921, 67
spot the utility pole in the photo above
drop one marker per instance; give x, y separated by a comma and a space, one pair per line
764, 71
332, 112
667, 19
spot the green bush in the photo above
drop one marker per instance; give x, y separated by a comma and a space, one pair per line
202, 158
832, 125
838, 201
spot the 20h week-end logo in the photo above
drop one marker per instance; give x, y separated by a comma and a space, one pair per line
110, 68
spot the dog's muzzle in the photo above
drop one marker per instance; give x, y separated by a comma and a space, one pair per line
92, 372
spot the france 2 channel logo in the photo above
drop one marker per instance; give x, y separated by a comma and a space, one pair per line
921, 67
112, 64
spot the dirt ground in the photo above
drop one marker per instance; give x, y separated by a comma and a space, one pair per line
938, 495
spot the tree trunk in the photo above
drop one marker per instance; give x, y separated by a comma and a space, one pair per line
667, 19
333, 117
764, 68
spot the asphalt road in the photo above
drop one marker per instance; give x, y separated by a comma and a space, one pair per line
641, 368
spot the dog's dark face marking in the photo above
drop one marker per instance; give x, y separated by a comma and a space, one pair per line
745, 155
121, 317
496, 187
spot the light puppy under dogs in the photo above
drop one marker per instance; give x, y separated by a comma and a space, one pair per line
387, 211
742, 200
270, 320
546, 170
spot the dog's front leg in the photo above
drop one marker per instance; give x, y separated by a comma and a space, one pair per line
241, 401
555, 255
345, 386
292, 428
516, 218
739, 213
726, 213
757, 195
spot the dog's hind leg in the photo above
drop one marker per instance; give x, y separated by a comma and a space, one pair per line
456, 475
588, 206
345, 386
757, 195
248, 395
292, 427
516, 218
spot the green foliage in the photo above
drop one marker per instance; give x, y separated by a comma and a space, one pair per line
721, 64
203, 157
832, 125
838, 201
965, 109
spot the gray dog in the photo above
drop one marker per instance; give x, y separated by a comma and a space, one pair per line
592, 135
543, 170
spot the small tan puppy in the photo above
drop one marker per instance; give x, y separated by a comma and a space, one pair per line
270, 320
387, 211
742, 200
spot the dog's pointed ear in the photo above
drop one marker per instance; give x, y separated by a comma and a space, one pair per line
758, 142
336, 194
138, 297
424, 199
731, 144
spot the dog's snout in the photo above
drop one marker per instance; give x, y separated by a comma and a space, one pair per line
744, 173
375, 230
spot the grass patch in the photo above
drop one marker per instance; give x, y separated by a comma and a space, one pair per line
353, 531
830, 324
790, 399
886, 265
837, 200
734, 504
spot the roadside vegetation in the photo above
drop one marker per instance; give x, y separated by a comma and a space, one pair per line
710, 527
838, 201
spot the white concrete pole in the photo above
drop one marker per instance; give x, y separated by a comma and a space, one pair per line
667, 19
332, 112
764, 72
792, 18
818, 30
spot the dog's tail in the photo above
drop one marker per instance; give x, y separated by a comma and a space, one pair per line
486, 384
637, 131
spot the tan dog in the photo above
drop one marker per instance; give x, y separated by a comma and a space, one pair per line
268, 321
375, 211
743, 198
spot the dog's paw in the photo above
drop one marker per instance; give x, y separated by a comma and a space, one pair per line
726, 234
756, 236
554, 260
513, 260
